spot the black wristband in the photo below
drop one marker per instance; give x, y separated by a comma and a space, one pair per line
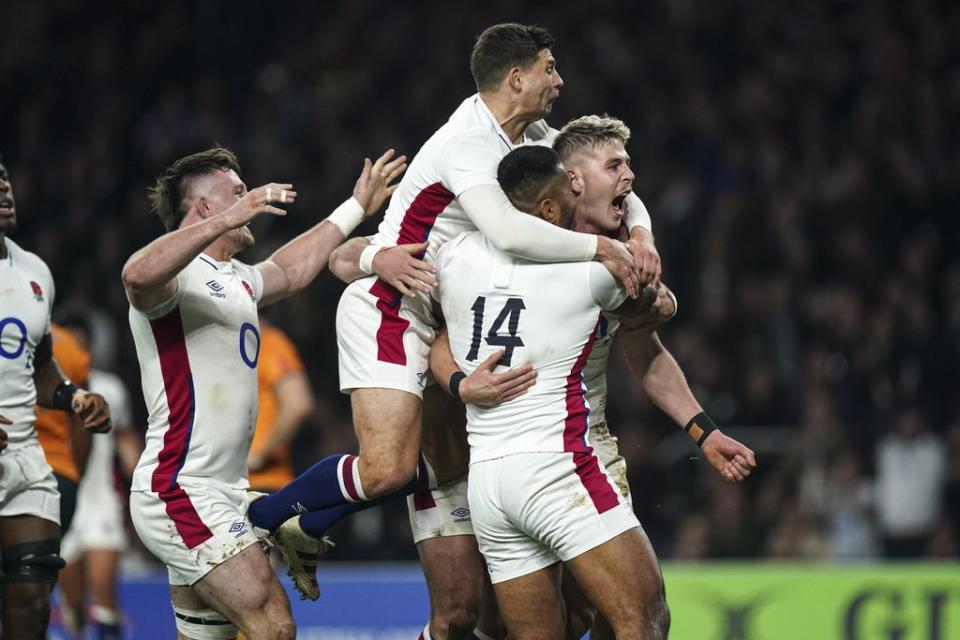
699, 427
455, 381
63, 395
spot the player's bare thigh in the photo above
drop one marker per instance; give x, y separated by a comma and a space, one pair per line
622, 579
245, 590
532, 605
453, 568
444, 436
387, 423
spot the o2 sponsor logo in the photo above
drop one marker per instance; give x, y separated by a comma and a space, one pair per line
249, 344
12, 328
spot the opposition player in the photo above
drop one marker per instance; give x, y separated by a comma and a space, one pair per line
538, 493
194, 319
29, 375
94, 545
285, 401
383, 337
65, 442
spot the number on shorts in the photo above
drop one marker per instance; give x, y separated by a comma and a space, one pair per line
510, 313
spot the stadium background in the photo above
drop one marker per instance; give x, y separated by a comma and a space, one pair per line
800, 161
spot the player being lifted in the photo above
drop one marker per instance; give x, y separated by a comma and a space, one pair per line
384, 338
193, 314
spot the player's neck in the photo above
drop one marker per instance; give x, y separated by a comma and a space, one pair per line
221, 250
508, 115
585, 226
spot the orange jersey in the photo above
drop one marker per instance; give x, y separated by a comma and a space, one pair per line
278, 359
53, 427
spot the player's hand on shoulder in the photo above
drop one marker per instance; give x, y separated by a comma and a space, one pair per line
93, 410
401, 268
732, 460
645, 254
261, 200
376, 181
485, 388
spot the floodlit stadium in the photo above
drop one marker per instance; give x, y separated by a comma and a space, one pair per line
799, 166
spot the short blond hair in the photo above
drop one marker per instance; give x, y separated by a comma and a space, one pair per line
589, 131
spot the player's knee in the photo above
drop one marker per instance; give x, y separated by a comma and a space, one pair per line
662, 619
386, 479
580, 618
285, 629
453, 622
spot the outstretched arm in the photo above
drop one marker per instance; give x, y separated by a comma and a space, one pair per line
149, 276
294, 265
664, 382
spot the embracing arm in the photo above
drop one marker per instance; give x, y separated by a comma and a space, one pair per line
531, 238
400, 266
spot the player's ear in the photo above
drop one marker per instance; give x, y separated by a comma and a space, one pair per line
515, 78
549, 210
576, 181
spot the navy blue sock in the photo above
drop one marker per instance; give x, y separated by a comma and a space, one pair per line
103, 631
319, 487
316, 523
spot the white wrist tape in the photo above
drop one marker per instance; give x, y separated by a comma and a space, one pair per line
366, 257
347, 216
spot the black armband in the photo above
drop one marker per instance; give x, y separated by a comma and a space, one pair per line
699, 427
63, 395
455, 381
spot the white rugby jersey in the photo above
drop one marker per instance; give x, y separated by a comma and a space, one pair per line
198, 365
26, 299
595, 372
99, 474
462, 154
544, 314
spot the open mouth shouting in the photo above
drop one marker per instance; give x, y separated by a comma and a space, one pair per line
617, 204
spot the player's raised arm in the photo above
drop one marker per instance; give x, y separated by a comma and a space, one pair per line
294, 265
201, 201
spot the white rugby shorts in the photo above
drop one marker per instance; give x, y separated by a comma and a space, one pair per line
27, 485
531, 510
98, 522
383, 338
192, 528
440, 512
605, 446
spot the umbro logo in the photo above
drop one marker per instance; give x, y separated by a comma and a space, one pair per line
238, 529
299, 508
462, 514
421, 377
216, 288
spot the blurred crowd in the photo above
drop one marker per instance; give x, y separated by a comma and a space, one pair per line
801, 162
